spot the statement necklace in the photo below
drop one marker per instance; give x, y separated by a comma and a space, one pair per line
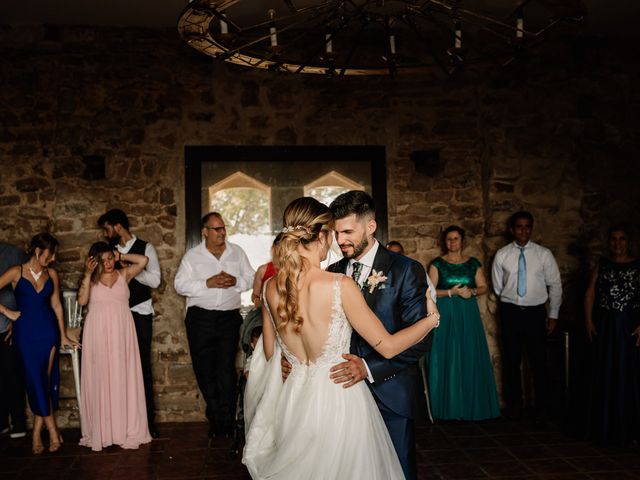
36, 276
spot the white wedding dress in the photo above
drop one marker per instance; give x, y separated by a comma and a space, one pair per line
309, 427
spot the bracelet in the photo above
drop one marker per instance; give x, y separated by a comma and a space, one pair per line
437, 315
474, 291
449, 292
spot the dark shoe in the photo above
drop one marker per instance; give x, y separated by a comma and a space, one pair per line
153, 431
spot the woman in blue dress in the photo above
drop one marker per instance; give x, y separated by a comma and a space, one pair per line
459, 368
38, 332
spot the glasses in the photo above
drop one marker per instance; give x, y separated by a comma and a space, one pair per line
217, 229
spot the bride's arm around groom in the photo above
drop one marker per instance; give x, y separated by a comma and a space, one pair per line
370, 328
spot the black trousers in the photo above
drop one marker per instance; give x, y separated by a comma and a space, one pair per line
144, 331
524, 327
12, 393
213, 340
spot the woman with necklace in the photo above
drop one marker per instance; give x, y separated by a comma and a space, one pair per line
459, 367
612, 313
38, 333
114, 409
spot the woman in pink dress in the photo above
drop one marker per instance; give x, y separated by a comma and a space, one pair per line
113, 404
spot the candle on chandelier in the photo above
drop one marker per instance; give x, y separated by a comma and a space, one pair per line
458, 41
328, 42
224, 29
392, 44
520, 25
272, 29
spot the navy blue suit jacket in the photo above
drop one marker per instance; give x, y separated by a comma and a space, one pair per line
397, 381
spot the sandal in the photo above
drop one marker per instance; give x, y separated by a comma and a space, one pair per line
55, 446
37, 448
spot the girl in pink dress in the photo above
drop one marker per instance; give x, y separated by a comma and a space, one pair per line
113, 404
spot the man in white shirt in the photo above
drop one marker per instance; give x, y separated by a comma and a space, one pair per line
115, 228
525, 275
212, 275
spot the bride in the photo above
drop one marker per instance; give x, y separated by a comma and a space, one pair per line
309, 427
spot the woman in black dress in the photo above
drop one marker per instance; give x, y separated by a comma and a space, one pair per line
612, 310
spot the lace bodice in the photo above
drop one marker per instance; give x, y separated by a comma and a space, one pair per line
618, 286
338, 339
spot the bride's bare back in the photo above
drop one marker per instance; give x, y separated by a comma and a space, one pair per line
315, 301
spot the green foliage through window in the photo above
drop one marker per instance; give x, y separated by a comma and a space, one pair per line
244, 210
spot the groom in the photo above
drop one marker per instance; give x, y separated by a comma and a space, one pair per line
398, 301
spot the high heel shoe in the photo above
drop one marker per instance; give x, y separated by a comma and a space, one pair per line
55, 446
37, 447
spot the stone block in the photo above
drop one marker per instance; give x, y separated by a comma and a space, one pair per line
178, 373
429, 230
68, 167
502, 187
32, 184
440, 210
32, 213
466, 212
167, 196
505, 204
158, 371
8, 200
468, 195
167, 222
427, 244
63, 225
73, 255
404, 231
505, 167
173, 356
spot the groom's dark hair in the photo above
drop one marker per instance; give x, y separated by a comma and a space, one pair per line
353, 202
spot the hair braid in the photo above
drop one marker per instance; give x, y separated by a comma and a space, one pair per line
304, 219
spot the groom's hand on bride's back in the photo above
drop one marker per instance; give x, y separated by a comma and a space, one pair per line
350, 372
285, 367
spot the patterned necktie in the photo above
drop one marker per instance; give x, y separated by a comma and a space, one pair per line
357, 270
522, 274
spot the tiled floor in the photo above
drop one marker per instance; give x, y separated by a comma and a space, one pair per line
496, 449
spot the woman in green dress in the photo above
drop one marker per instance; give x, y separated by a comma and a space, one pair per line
460, 373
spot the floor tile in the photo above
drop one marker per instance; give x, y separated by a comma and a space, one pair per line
495, 449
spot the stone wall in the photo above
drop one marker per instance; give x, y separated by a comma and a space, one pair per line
97, 118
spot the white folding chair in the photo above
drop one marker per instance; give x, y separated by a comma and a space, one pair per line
73, 319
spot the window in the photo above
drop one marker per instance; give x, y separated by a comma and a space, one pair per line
244, 204
273, 176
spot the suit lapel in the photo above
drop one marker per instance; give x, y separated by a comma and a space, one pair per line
381, 263
340, 266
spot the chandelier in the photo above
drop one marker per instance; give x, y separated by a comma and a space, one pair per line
370, 37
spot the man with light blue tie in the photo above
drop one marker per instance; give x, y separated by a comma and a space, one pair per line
525, 276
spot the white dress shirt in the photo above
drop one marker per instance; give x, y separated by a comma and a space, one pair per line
150, 276
367, 264
198, 264
543, 277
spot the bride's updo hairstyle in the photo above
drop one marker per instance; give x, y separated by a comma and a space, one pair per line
304, 219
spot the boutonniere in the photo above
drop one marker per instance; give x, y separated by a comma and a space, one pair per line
375, 280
